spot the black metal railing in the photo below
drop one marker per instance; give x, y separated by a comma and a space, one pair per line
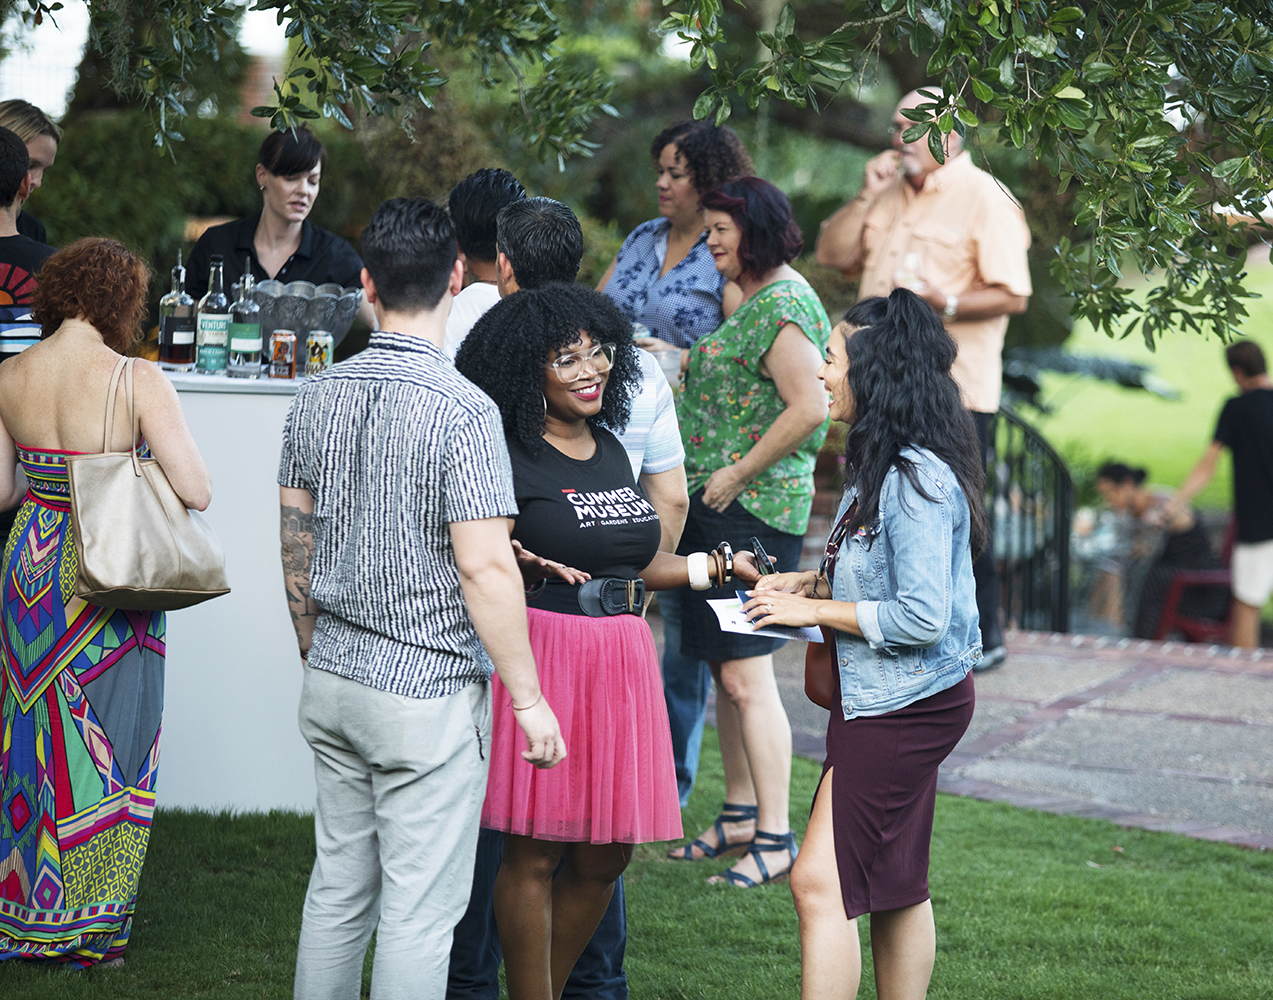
1031, 506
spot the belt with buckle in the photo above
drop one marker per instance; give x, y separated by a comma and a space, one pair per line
599, 598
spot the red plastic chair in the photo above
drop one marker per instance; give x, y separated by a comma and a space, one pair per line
1199, 629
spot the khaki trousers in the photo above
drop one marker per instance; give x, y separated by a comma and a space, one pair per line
400, 789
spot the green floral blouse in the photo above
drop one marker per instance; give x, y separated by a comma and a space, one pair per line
728, 404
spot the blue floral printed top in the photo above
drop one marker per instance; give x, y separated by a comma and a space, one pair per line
678, 307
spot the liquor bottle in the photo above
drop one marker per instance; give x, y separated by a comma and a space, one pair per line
245, 331
212, 330
176, 324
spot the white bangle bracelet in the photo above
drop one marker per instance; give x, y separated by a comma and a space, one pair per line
696, 563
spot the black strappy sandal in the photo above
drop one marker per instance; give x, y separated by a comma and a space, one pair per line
730, 812
771, 842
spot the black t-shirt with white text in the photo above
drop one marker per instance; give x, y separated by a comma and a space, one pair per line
1245, 427
587, 514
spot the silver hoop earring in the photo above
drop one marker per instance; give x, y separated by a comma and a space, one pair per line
545, 399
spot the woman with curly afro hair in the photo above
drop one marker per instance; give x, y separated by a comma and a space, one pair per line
64, 657
560, 364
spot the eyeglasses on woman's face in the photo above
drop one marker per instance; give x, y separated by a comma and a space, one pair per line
571, 367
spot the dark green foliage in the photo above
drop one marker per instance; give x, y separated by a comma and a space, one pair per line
1151, 112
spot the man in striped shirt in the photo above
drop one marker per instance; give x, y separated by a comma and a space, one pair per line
396, 495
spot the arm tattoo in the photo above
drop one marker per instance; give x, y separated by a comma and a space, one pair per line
296, 537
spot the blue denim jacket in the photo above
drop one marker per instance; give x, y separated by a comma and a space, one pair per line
910, 575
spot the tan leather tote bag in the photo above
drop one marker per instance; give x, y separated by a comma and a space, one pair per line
137, 544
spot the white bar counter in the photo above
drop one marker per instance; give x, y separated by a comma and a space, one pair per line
233, 677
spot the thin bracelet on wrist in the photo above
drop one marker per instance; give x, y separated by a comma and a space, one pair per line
523, 708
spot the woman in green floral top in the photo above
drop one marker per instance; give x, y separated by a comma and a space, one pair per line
753, 415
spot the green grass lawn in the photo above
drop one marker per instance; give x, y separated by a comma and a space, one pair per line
1029, 906
1096, 421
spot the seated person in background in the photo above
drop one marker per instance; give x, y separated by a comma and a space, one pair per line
41, 135
1163, 540
279, 241
474, 204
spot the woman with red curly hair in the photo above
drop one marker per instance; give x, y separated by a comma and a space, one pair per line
81, 686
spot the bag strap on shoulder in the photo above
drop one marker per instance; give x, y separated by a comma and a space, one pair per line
123, 367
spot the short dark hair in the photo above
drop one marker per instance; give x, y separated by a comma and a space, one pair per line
770, 235
1246, 357
505, 353
408, 249
474, 204
712, 154
14, 164
542, 240
285, 153
1120, 472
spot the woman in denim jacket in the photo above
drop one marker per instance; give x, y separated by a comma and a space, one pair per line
897, 588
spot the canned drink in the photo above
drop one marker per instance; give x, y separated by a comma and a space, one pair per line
318, 353
283, 354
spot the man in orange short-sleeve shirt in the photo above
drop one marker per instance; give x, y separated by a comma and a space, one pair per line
956, 237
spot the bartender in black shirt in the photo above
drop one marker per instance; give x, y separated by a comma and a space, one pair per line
280, 241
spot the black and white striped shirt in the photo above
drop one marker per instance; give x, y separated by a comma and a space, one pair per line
394, 445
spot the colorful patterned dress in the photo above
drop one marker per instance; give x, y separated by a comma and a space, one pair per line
81, 693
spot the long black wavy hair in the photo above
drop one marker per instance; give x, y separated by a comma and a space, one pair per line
506, 353
899, 371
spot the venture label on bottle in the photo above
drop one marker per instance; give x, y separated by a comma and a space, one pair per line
213, 340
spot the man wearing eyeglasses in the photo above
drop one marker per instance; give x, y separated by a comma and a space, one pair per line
955, 236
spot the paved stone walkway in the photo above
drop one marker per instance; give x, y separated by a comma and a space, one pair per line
1163, 736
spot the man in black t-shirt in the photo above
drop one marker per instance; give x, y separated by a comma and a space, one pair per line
20, 259
1245, 427
20, 256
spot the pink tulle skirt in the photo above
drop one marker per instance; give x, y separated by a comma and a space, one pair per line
618, 781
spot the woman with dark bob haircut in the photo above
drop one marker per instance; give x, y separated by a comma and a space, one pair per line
82, 685
559, 363
279, 241
752, 419
896, 594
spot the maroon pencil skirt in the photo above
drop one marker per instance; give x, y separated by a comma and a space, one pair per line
883, 790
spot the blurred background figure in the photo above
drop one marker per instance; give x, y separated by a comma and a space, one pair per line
1158, 539
475, 203
1245, 427
41, 135
21, 258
